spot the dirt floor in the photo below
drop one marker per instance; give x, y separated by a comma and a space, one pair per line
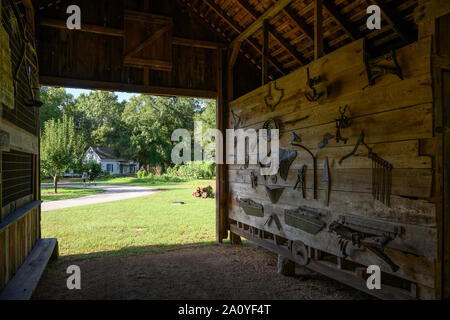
215, 272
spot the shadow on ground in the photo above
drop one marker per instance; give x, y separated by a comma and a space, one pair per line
217, 271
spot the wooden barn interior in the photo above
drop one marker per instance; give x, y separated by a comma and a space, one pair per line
364, 172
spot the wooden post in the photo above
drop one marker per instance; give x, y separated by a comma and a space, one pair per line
318, 32
221, 170
265, 55
233, 54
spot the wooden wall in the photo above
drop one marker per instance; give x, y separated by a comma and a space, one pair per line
96, 61
397, 118
19, 148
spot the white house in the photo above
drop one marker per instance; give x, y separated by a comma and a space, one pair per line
110, 163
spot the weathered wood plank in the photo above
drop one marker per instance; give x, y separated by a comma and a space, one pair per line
22, 286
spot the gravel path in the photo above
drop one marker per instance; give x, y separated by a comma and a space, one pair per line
112, 193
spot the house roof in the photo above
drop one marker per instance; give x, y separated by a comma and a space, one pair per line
107, 153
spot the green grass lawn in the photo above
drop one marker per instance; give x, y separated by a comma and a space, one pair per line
47, 194
134, 226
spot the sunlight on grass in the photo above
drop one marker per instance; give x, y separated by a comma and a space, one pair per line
47, 194
134, 226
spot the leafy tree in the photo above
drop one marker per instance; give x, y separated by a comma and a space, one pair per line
55, 102
98, 117
61, 148
150, 122
207, 115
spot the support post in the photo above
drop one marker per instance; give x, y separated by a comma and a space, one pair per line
318, 30
265, 56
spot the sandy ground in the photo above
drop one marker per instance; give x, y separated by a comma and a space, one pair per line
215, 272
112, 193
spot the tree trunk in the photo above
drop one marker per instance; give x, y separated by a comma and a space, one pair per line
55, 183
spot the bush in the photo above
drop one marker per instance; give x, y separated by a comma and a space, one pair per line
194, 170
94, 167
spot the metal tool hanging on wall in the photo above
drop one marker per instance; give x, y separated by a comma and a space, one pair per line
326, 182
301, 180
254, 179
318, 87
305, 219
375, 70
270, 101
251, 207
364, 233
28, 44
295, 143
325, 140
274, 193
273, 217
286, 159
343, 122
381, 172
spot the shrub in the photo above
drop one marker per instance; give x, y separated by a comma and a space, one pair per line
193, 170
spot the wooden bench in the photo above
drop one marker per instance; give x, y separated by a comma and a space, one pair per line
26, 279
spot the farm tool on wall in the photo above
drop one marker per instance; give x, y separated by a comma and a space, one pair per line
319, 90
301, 181
236, 120
286, 159
326, 181
343, 122
374, 70
381, 172
270, 101
273, 217
274, 193
325, 140
371, 235
251, 207
305, 219
253, 179
295, 143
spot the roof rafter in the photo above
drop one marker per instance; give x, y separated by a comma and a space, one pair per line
334, 12
276, 8
239, 30
284, 43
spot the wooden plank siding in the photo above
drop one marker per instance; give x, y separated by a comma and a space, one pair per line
397, 118
16, 242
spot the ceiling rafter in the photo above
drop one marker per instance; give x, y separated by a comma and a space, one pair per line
275, 9
239, 30
283, 42
334, 12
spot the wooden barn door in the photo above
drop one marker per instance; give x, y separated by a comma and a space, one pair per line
147, 41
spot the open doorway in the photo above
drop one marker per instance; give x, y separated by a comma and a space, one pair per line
108, 182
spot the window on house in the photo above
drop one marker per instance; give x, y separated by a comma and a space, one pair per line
109, 167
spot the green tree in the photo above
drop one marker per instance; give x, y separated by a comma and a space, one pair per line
61, 148
149, 123
99, 117
55, 102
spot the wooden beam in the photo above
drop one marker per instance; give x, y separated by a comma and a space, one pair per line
198, 43
154, 37
239, 29
386, 12
61, 24
303, 27
291, 49
265, 57
349, 30
29, 13
233, 54
284, 43
124, 87
318, 29
276, 8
